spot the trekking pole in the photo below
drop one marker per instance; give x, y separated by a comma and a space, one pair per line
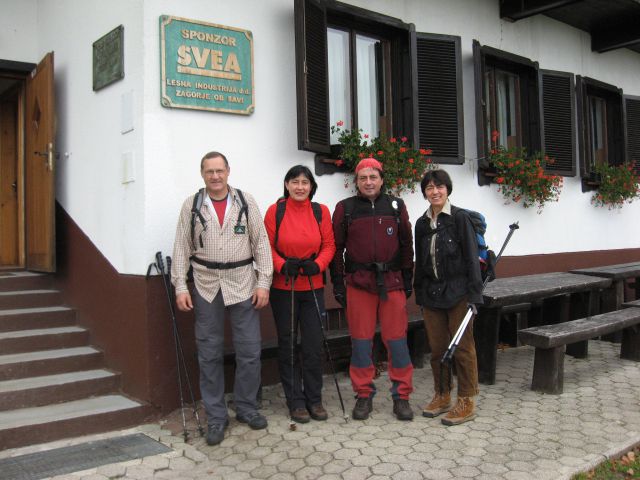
181, 351
159, 266
448, 355
294, 338
327, 349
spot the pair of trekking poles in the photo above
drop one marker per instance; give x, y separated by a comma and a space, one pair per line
183, 373
294, 341
447, 357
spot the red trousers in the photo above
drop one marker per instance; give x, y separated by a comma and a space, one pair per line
363, 310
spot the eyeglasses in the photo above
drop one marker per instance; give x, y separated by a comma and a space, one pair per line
211, 173
431, 188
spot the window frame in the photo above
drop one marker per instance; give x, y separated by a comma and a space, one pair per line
587, 88
486, 57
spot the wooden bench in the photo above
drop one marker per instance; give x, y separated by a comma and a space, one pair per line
340, 338
550, 341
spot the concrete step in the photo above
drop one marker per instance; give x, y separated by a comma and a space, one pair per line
21, 341
40, 317
49, 362
29, 298
29, 426
22, 280
51, 389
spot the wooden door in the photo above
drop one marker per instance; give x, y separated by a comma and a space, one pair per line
9, 246
40, 168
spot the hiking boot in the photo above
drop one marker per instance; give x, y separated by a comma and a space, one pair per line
462, 412
402, 409
215, 433
254, 420
438, 405
299, 415
318, 412
362, 409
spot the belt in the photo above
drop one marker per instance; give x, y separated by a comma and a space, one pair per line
378, 268
222, 265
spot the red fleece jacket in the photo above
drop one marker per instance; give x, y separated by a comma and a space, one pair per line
300, 236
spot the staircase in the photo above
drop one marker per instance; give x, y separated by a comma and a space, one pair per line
53, 384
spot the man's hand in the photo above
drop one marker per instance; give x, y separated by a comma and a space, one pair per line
183, 302
260, 298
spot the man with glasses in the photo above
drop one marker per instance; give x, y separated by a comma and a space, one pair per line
221, 235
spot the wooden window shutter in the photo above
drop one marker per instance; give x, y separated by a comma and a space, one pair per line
583, 126
632, 127
311, 75
558, 125
481, 126
439, 97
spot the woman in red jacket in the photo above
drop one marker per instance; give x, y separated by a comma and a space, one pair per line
302, 247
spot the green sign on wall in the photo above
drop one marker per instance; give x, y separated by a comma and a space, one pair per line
206, 66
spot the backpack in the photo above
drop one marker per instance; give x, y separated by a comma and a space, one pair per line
486, 257
195, 212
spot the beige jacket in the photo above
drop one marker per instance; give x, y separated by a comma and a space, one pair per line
223, 244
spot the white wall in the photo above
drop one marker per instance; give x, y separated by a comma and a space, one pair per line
89, 139
130, 222
18, 30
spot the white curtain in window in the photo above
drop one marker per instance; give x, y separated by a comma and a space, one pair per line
367, 85
339, 79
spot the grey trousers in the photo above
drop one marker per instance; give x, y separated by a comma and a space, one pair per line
209, 332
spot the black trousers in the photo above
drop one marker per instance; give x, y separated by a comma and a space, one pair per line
302, 386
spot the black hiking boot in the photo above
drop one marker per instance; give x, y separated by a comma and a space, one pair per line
362, 409
402, 409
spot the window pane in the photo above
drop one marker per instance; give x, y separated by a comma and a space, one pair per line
339, 79
367, 85
506, 112
598, 131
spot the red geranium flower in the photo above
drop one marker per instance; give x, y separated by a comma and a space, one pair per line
339, 123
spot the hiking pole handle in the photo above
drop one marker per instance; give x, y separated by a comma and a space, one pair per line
512, 228
160, 262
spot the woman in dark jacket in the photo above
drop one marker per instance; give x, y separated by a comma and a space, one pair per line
302, 248
447, 282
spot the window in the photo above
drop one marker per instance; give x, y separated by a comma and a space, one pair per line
601, 126
365, 96
377, 74
528, 107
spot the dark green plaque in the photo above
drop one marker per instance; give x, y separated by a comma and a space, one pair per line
108, 58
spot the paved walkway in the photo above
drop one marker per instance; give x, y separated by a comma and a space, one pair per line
518, 434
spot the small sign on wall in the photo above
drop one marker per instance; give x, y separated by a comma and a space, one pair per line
205, 66
108, 58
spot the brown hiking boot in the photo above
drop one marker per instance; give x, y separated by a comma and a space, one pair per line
318, 412
462, 412
299, 415
438, 405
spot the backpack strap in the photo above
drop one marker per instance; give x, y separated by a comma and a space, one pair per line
244, 208
195, 212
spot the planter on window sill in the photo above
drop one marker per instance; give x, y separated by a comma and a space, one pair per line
486, 173
591, 181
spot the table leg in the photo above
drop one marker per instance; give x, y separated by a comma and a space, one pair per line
630, 348
485, 331
615, 300
582, 305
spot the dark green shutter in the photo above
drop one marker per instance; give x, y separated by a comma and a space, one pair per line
632, 126
558, 121
311, 76
439, 97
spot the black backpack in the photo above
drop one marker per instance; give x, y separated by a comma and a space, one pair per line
195, 212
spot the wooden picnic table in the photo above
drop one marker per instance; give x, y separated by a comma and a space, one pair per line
618, 274
567, 290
